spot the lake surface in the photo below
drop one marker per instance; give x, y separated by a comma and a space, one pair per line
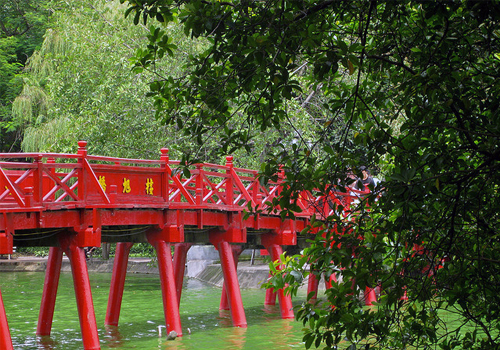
142, 315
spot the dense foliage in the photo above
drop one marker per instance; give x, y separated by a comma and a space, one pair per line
80, 85
414, 85
22, 25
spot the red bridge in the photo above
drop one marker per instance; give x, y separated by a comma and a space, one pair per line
72, 201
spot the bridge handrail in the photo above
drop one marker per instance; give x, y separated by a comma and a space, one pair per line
38, 155
83, 183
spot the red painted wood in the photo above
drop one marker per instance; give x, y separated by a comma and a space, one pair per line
169, 293
270, 298
370, 296
232, 285
84, 193
5, 339
312, 286
330, 280
224, 300
83, 295
180, 255
117, 283
285, 300
50, 286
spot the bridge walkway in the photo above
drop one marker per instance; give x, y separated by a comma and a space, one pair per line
71, 201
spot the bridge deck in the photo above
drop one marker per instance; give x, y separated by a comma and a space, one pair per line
72, 201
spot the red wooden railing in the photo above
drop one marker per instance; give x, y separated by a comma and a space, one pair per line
40, 191
64, 181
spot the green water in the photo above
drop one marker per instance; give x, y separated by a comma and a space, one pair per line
141, 314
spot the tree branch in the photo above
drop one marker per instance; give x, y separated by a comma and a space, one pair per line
399, 64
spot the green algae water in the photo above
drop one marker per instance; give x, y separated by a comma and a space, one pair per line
142, 319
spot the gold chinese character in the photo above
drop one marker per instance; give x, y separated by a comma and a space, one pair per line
102, 182
126, 185
149, 186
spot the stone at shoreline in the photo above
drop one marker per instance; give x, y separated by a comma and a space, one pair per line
249, 276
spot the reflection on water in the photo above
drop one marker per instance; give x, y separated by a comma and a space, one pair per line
141, 317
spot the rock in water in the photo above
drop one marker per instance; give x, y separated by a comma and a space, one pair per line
172, 335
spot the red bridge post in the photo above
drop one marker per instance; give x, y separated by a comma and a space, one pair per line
285, 301
370, 296
82, 175
50, 286
273, 242
231, 284
180, 255
224, 301
83, 293
312, 286
160, 240
117, 283
5, 339
168, 287
270, 298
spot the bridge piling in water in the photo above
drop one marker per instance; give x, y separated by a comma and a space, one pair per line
224, 301
83, 293
117, 283
5, 339
180, 256
168, 287
270, 298
284, 300
273, 241
231, 284
49, 294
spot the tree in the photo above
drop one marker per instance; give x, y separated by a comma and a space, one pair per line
79, 85
412, 84
22, 25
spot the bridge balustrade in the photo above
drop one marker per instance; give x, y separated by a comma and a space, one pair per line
66, 181
80, 194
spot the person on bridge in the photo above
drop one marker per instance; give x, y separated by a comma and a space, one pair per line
366, 180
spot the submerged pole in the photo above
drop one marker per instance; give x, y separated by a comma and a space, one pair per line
50, 286
5, 339
224, 301
83, 295
180, 255
312, 287
117, 283
232, 285
168, 287
270, 298
285, 301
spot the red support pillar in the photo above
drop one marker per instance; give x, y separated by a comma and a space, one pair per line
5, 339
83, 295
117, 283
370, 296
312, 287
232, 285
270, 299
224, 301
404, 297
330, 280
285, 301
50, 285
168, 287
180, 254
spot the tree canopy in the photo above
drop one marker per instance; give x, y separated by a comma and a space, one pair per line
79, 85
22, 25
407, 87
